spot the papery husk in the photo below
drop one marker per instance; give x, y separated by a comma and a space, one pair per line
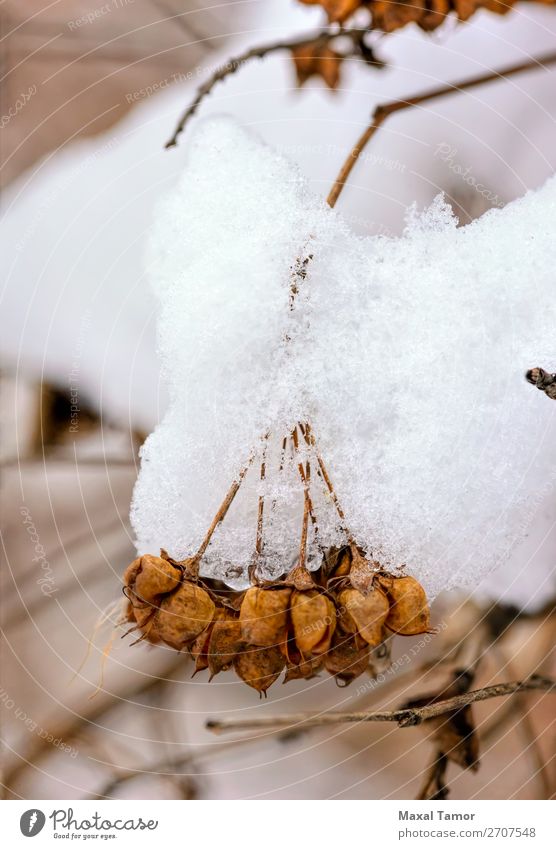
313, 618
336, 567
226, 642
154, 577
362, 572
259, 667
299, 578
184, 614
345, 660
199, 650
264, 616
364, 614
409, 610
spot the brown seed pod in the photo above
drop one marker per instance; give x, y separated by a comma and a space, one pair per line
144, 613
297, 666
155, 577
199, 650
336, 566
362, 572
364, 614
183, 615
409, 610
300, 578
345, 660
225, 643
314, 621
259, 667
264, 616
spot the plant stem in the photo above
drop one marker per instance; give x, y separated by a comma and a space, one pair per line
323, 36
222, 510
384, 110
405, 717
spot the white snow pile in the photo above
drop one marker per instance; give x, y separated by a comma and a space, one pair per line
407, 355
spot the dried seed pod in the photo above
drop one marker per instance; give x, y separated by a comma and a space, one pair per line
300, 578
345, 660
364, 614
199, 649
314, 621
183, 615
409, 610
264, 616
362, 572
298, 667
143, 613
225, 643
154, 577
336, 566
259, 667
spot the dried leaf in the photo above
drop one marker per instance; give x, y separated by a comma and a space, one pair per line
338, 11
314, 59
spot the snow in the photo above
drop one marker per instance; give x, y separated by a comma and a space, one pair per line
73, 227
406, 354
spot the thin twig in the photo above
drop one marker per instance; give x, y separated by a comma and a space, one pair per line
222, 510
260, 511
384, 110
324, 36
405, 717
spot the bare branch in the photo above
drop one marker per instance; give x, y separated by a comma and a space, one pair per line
383, 111
405, 717
324, 36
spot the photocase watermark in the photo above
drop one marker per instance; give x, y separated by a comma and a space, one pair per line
447, 153
99, 12
34, 727
20, 104
74, 375
46, 582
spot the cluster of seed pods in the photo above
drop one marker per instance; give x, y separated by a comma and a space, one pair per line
337, 619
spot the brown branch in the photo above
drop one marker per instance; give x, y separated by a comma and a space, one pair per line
384, 110
405, 717
222, 510
324, 36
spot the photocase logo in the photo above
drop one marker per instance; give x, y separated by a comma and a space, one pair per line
32, 822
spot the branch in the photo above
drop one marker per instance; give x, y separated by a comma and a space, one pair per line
383, 111
323, 37
405, 717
